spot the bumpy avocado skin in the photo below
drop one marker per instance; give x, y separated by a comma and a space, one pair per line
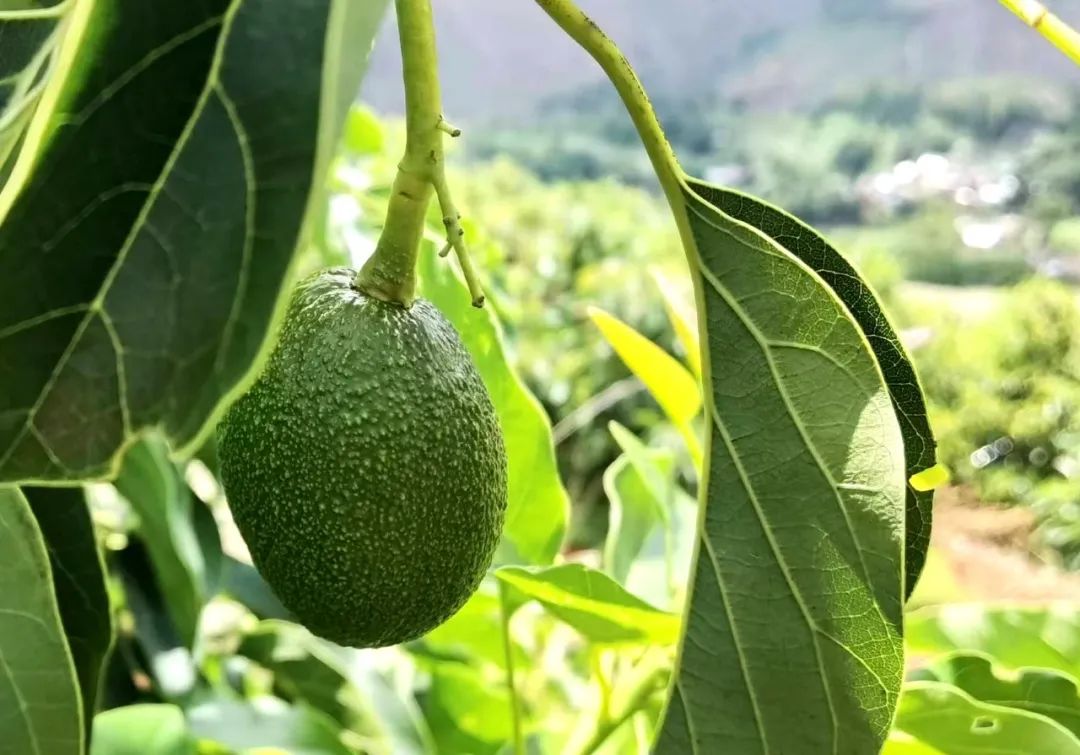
365, 468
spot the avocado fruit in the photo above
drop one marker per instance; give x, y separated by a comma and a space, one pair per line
365, 468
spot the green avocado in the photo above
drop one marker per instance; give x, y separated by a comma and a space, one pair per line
365, 468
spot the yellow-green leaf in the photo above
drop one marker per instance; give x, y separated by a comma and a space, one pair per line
670, 383
591, 602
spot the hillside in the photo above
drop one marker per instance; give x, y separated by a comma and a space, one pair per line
501, 57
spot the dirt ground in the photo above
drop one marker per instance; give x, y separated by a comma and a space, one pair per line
987, 553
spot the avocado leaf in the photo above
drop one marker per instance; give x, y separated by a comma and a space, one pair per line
143, 255
861, 301
591, 602
795, 617
949, 720
63, 516
1047, 692
39, 690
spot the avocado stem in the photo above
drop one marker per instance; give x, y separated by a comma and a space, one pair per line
390, 273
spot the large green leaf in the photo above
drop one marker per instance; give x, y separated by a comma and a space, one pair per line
40, 707
79, 582
1048, 693
812, 248
792, 638
158, 495
143, 260
142, 730
538, 507
953, 722
592, 603
1015, 636
29, 43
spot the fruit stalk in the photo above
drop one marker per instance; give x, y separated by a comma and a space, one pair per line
390, 274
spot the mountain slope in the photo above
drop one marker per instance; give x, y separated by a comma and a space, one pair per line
500, 57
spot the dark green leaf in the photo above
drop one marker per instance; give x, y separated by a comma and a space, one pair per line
900, 377
1015, 636
143, 261
591, 602
142, 730
1048, 693
162, 501
792, 637
79, 582
537, 508
955, 723
40, 709
209, 539
267, 722
168, 657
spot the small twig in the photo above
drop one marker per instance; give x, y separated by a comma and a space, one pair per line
594, 407
455, 235
448, 128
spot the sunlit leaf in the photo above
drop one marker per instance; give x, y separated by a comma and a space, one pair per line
1048, 693
635, 514
1015, 636
950, 720
79, 580
900, 377
671, 384
592, 603
143, 260
40, 706
142, 730
473, 633
657, 477
795, 617
538, 507
681, 315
